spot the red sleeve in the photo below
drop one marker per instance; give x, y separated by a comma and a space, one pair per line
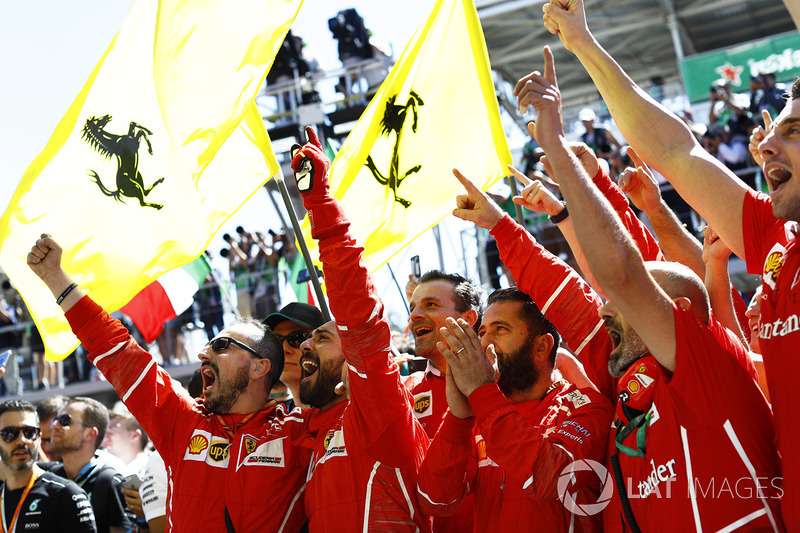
647, 244
758, 222
448, 473
145, 388
563, 297
531, 459
380, 411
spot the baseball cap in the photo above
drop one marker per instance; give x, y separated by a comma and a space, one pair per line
303, 315
587, 114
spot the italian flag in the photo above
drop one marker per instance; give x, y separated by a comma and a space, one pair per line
167, 297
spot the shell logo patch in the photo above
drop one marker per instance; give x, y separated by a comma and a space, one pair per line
773, 264
198, 444
633, 386
481, 445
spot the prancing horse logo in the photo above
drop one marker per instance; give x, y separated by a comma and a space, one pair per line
126, 149
393, 118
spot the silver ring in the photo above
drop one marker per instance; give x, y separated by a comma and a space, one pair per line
461, 350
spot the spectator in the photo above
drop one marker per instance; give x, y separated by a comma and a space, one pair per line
47, 410
599, 139
43, 500
77, 433
766, 95
126, 440
731, 152
10, 339
731, 110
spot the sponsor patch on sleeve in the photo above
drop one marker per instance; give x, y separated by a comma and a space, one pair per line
578, 398
423, 404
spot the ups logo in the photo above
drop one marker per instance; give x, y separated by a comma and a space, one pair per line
422, 404
218, 451
249, 445
327, 440
773, 265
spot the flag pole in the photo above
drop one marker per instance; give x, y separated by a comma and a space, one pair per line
312, 272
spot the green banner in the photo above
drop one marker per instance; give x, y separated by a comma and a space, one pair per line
779, 55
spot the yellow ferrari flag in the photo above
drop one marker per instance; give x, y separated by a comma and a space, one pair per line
436, 110
162, 145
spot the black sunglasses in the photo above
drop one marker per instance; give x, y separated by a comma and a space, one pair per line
65, 420
220, 344
295, 338
11, 433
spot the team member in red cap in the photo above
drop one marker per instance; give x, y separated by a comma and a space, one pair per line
221, 453
292, 325
367, 451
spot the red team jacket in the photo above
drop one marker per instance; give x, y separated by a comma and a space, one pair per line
771, 251
511, 456
363, 472
568, 302
259, 476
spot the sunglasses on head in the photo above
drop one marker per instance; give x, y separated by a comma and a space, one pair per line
66, 420
220, 344
295, 338
11, 433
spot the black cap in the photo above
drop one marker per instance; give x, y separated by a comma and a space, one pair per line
303, 315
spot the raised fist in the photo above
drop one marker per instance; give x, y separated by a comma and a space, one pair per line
310, 165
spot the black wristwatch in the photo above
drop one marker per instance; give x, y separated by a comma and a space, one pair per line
560, 216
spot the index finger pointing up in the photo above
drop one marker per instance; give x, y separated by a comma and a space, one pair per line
549, 66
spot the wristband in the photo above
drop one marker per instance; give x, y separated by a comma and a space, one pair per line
65, 293
560, 216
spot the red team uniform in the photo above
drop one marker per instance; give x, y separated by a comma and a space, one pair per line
211, 469
513, 455
571, 305
367, 452
771, 251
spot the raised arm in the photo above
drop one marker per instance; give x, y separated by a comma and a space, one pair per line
612, 254
675, 241
710, 188
380, 406
718, 282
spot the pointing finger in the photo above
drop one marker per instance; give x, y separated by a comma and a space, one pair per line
549, 66
522, 178
465, 181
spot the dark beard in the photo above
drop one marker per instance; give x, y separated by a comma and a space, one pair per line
227, 393
517, 371
323, 391
8, 459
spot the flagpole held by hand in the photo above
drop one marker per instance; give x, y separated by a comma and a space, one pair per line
281, 183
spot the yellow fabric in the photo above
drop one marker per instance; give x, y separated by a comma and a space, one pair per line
458, 125
187, 71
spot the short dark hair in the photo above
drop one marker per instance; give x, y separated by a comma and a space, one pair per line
49, 407
95, 414
534, 319
268, 346
466, 295
18, 405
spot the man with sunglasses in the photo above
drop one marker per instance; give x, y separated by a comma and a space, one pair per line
293, 324
32, 499
223, 452
76, 433
366, 451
